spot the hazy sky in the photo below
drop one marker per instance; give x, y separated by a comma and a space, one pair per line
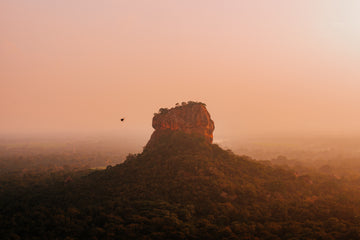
261, 66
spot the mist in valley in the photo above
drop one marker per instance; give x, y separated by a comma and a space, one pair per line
337, 155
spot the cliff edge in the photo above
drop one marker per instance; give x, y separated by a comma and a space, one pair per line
190, 118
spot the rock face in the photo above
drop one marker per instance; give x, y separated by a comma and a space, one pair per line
190, 118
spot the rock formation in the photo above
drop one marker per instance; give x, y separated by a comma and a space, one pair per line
190, 118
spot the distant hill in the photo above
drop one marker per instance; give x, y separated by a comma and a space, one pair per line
184, 187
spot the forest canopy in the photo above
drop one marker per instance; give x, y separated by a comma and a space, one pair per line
185, 188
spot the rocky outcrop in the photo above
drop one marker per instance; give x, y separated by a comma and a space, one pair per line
190, 118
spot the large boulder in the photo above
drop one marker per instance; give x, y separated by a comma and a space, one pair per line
190, 118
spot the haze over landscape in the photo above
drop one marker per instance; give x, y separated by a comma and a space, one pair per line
262, 67
136, 119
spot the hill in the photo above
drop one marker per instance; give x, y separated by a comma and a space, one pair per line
183, 187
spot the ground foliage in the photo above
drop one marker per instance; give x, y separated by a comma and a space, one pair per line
181, 188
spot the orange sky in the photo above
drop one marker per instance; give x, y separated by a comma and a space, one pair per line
262, 67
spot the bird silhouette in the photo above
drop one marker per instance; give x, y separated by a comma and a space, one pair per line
122, 119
